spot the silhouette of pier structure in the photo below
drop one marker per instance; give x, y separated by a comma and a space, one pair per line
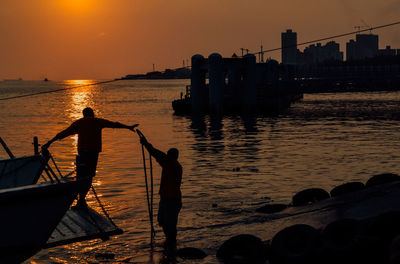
236, 85
371, 74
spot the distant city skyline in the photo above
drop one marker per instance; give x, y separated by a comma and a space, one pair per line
362, 46
101, 39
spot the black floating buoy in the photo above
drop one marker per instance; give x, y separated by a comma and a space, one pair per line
394, 252
385, 226
243, 249
295, 244
340, 240
271, 208
347, 188
381, 179
380, 232
308, 196
191, 253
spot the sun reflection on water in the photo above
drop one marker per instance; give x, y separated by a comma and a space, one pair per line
81, 97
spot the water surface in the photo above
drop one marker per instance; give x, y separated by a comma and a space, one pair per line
232, 165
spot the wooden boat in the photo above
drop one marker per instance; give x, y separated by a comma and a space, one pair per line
80, 224
29, 214
75, 224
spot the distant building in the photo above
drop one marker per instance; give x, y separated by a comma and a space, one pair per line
387, 52
351, 50
289, 47
365, 46
318, 53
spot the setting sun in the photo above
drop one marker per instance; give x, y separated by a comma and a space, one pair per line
77, 6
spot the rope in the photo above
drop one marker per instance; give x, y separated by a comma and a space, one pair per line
102, 207
151, 194
55, 165
57, 90
149, 199
69, 174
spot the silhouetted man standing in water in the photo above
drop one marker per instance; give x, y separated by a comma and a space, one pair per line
88, 129
170, 190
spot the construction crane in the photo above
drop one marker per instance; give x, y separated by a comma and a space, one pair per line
243, 49
365, 26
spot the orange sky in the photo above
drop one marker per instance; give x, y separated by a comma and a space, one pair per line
84, 39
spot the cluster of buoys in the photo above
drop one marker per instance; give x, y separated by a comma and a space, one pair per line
371, 241
312, 195
374, 240
243, 249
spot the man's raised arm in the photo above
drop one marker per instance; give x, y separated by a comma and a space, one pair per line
157, 154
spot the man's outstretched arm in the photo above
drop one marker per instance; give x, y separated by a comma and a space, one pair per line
110, 124
63, 134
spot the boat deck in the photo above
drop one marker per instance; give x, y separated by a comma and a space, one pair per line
82, 224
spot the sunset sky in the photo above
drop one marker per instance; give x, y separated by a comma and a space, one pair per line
85, 39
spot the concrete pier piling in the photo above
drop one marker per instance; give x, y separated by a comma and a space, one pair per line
250, 83
234, 89
199, 92
235, 85
217, 83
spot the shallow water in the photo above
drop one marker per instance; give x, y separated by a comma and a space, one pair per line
232, 165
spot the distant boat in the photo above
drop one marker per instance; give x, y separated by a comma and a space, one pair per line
46, 80
12, 80
29, 214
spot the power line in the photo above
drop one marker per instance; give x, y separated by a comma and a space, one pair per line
331, 37
57, 90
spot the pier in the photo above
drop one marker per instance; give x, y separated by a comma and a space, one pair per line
236, 85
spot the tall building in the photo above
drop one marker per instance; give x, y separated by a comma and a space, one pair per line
351, 50
289, 47
365, 46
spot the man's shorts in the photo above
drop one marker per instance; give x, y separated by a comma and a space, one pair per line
168, 212
86, 163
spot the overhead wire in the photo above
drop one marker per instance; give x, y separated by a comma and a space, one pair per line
58, 90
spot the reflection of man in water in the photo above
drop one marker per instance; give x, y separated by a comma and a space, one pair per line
170, 190
88, 129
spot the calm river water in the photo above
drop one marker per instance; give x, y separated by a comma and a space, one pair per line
231, 165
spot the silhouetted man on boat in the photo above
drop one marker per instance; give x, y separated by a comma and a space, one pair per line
88, 129
170, 189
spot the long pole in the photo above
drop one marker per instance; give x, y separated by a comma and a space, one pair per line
6, 148
151, 196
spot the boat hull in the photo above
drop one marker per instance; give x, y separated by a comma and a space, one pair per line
29, 215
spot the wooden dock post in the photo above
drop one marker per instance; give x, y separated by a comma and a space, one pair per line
36, 145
